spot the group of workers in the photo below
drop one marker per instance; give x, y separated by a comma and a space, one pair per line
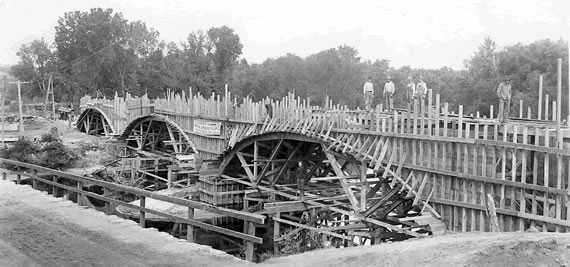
419, 90
413, 91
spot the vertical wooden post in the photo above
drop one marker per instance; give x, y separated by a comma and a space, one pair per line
276, 233
492, 214
249, 246
546, 107
363, 187
226, 100
528, 113
53, 187
169, 177
80, 195
34, 181
540, 97
559, 106
255, 158
190, 229
107, 193
142, 214
19, 176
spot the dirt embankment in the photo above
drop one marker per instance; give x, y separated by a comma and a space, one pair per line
468, 249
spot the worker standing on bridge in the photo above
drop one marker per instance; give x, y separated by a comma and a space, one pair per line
504, 94
411, 90
389, 89
302, 179
421, 91
368, 93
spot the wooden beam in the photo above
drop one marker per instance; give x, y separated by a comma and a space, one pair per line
338, 170
245, 166
271, 158
385, 198
315, 229
284, 167
345, 212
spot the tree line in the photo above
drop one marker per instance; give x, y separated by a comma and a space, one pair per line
101, 52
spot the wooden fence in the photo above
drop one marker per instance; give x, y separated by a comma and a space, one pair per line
73, 183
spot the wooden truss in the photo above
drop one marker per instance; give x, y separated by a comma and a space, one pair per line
356, 198
157, 136
93, 122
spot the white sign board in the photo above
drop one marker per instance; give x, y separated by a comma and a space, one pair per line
207, 127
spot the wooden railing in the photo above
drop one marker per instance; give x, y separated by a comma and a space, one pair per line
74, 183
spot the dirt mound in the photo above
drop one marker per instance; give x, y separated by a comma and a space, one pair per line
547, 252
465, 249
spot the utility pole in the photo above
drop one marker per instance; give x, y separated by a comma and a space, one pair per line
20, 105
3, 99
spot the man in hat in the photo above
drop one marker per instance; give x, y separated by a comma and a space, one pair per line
389, 89
368, 93
411, 90
421, 91
504, 94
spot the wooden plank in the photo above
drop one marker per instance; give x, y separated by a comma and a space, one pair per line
162, 214
334, 209
522, 201
318, 230
345, 186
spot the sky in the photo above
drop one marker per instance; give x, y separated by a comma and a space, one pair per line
420, 34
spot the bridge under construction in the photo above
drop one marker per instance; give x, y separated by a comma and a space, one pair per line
266, 170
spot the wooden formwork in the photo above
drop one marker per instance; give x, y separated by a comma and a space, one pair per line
220, 192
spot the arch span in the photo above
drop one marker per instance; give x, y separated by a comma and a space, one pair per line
157, 133
94, 121
295, 172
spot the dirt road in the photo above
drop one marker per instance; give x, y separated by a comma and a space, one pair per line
38, 230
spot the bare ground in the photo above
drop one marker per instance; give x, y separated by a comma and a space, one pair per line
39, 230
468, 249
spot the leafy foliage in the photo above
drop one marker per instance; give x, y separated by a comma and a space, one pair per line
56, 155
302, 241
100, 50
51, 154
24, 150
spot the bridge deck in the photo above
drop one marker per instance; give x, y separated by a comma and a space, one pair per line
39, 230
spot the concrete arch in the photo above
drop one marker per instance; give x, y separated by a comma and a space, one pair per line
158, 133
94, 121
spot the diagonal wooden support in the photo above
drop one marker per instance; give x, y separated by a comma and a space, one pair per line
334, 209
380, 202
273, 155
319, 230
420, 190
435, 213
245, 166
338, 170
284, 167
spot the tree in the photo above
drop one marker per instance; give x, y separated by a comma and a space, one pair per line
225, 50
37, 64
478, 90
100, 50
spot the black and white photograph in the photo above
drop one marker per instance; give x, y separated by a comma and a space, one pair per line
284, 133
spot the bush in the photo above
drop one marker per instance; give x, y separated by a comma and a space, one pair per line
56, 156
51, 136
23, 150
303, 240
